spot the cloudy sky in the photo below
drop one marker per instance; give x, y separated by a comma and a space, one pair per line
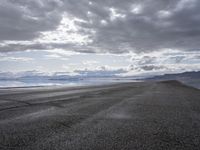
131, 36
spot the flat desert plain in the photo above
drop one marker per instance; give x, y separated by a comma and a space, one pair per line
126, 116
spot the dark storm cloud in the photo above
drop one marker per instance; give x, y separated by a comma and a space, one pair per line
152, 67
155, 25
114, 26
25, 19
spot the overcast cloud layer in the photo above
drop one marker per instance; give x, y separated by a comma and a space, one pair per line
114, 26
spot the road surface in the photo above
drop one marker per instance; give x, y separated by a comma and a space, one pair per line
126, 116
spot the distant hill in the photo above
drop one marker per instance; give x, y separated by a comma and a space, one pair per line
78, 75
189, 78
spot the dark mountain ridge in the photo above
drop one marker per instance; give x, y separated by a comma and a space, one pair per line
189, 78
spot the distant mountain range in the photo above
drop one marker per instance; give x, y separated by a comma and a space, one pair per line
189, 78
77, 75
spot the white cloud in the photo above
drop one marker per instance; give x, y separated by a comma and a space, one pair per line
136, 8
164, 14
56, 56
104, 22
90, 62
165, 61
66, 32
114, 14
62, 52
17, 59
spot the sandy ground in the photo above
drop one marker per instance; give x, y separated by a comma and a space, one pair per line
129, 116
